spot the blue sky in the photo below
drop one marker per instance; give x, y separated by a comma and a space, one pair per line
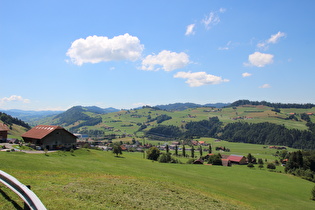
125, 54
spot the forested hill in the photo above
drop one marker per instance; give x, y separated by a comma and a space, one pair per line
10, 121
184, 106
274, 105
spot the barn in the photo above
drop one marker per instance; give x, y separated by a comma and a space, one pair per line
3, 132
50, 137
237, 159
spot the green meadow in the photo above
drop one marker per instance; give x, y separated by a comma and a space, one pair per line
128, 122
92, 179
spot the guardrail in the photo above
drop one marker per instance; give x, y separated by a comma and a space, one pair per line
21, 190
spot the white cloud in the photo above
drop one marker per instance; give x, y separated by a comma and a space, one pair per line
265, 86
226, 47
14, 98
259, 59
95, 49
246, 74
190, 30
222, 10
211, 20
272, 40
200, 78
167, 59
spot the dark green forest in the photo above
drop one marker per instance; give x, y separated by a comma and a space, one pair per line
255, 133
275, 105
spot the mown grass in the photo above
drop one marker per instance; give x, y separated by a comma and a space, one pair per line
90, 179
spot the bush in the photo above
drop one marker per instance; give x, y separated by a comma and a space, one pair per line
250, 165
271, 166
215, 160
165, 158
153, 153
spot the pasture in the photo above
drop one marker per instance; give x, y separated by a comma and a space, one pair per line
92, 179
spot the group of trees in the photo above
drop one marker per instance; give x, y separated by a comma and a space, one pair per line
9, 120
301, 163
268, 133
160, 118
275, 105
256, 133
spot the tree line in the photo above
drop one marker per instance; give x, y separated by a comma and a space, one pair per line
9, 120
255, 133
275, 105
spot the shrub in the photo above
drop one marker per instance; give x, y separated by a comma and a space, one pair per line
250, 165
165, 158
153, 153
271, 166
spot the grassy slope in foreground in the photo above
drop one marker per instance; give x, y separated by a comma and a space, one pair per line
98, 180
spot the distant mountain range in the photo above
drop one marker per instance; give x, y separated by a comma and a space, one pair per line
35, 116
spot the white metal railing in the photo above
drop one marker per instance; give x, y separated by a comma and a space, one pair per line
21, 190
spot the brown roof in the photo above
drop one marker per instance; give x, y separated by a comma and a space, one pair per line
235, 158
40, 131
4, 127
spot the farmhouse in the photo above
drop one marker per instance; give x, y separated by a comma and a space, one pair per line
3, 132
237, 159
50, 137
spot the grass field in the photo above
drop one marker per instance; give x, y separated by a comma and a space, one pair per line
91, 179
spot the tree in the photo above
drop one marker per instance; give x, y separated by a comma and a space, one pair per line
260, 166
167, 149
215, 160
117, 150
153, 153
260, 161
271, 166
200, 151
249, 158
210, 149
184, 151
313, 194
192, 151
176, 150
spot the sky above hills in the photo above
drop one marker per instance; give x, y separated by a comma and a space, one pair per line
124, 54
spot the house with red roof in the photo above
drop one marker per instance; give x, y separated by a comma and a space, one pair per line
3, 132
237, 159
50, 137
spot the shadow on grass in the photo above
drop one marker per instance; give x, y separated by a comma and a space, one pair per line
119, 157
16, 206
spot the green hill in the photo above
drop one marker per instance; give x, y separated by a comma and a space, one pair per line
137, 122
17, 127
91, 179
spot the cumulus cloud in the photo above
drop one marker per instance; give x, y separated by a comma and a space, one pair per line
190, 30
265, 86
200, 78
168, 61
211, 20
14, 98
259, 59
95, 49
246, 74
272, 40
